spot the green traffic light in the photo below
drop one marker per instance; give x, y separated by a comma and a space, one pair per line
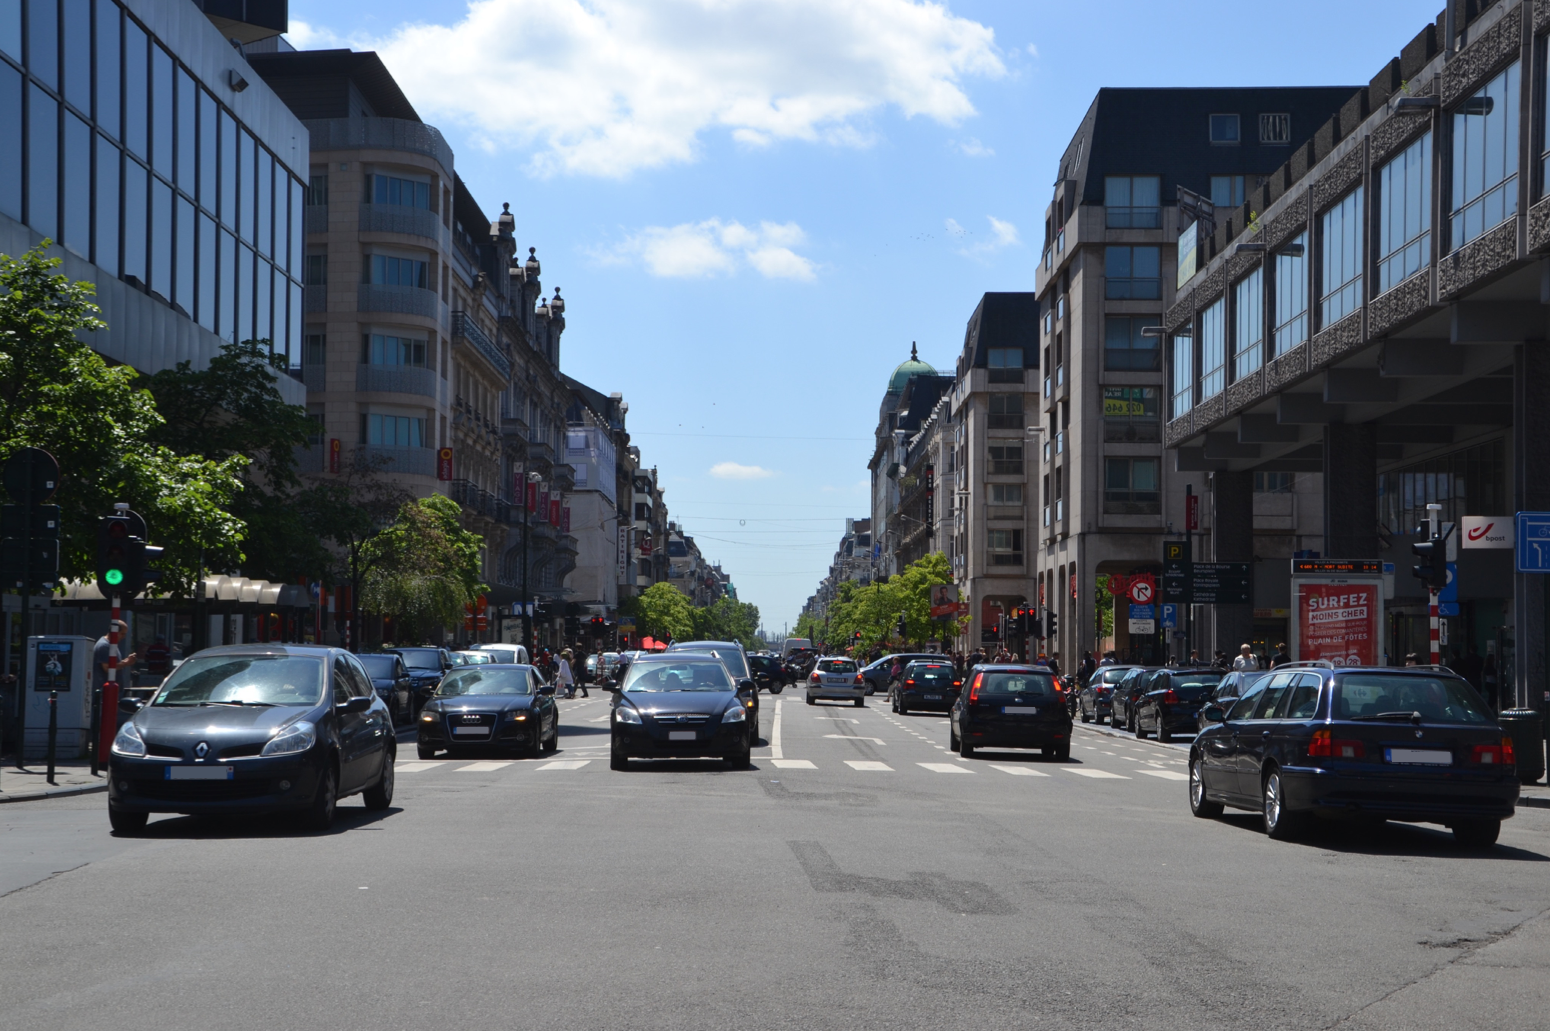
114, 576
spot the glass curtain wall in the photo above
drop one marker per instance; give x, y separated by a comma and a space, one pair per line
1291, 272
1485, 158
1342, 280
1404, 214
1248, 324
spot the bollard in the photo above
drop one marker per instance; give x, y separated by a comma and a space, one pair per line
53, 730
97, 716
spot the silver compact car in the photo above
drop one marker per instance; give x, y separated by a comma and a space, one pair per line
836, 678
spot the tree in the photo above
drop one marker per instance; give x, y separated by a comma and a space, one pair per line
663, 611
1104, 606
58, 394
873, 611
727, 619
423, 568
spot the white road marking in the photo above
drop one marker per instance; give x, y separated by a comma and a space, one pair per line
1019, 771
412, 767
1165, 774
1095, 774
565, 764
601, 719
852, 737
868, 766
943, 768
792, 764
837, 719
483, 767
775, 752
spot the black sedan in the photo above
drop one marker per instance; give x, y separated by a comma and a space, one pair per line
489, 706
876, 674
426, 667
390, 677
1122, 699
681, 705
1233, 686
1095, 702
1374, 744
1011, 707
768, 673
926, 685
254, 728
1173, 700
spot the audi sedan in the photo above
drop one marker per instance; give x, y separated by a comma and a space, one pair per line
254, 728
1011, 707
681, 705
490, 706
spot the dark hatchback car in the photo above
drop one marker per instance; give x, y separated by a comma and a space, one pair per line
426, 667
254, 728
1095, 702
768, 673
926, 685
876, 673
1171, 700
1126, 693
1367, 743
1011, 706
390, 677
681, 705
1233, 686
490, 706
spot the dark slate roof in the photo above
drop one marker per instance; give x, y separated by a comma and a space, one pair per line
1003, 320
322, 83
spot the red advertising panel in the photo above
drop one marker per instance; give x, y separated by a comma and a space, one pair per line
1339, 622
543, 505
334, 448
1192, 511
565, 519
532, 496
444, 463
554, 510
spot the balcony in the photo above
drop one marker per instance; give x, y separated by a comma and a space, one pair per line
398, 300
317, 218
398, 218
540, 453
379, 134
315, 377
406, 461
473, 497
464, 328
396, 379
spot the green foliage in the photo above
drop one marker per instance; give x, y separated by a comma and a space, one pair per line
663, 611
728, 619
874, 610
423, 568
59, 395
1104, 606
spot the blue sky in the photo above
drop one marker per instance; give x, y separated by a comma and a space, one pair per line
754, 206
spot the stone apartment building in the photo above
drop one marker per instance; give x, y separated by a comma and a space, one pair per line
912, 392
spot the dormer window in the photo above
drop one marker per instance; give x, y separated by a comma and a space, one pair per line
1224, 130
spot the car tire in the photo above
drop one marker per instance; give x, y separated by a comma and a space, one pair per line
424, 751
1477, 833
952, 738
861, 703
777, 688
1199, 804
1163, 734
618, 760
1085, 718
1140, 730
739, 760
128, 823
1060, 753
380, 795
554, 738
810, 700
900, 706
965, 749
1280, 825
320, 815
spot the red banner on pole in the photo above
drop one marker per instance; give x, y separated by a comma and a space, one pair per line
444, 463
554, 509
532, 496
1192, 511
334, 448
543, 505
565, 519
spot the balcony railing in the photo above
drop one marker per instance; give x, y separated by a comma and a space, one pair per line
317, 218
465, 328
400, 300
408, 461
396, 379
379, 134
398, 218
316, 298
472, 496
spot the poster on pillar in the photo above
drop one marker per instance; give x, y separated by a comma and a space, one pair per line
1339, 621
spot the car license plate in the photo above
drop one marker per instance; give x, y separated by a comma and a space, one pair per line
1418, 757
680, 735
470, 730
933, 698
1013, 710
200, 772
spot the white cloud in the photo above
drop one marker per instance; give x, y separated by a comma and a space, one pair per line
1003, 234
734, 471
973, 148
1033, 51
954, 229
693, 250
306, 36
608, 87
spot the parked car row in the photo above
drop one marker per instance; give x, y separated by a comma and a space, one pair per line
1149, 700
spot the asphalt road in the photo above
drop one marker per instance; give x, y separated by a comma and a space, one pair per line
859, 877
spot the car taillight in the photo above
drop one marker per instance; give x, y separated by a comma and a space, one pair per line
859, 679
1324, 745
974, 689
909, 683
1170, 697
957, 683
813, 676
1494, 755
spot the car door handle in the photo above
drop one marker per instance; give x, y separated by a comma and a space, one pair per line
1265, 734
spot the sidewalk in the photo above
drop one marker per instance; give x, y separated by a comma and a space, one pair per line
1536, 795
72, 778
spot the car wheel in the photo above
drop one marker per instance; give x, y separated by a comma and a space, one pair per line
739, 760
952, 738
1199, 804
1477, 833
1140, 730
380, 795
1162, 733
134, 823
1085, 718
900, 706
777, 688
554, 737
618, 761
1060, 753
861, 703
965, 749
1279, 824
424, 751
320, 816
810, 700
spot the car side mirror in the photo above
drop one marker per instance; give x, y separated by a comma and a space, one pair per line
546, 689
130, 705
359, 703
1214, 714
747, 685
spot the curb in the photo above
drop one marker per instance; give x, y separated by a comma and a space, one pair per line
1125, 735
33, 796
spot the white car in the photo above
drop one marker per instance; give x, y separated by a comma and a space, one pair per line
504, 653
837, 678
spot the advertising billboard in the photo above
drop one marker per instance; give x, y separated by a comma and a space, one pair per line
1339, 621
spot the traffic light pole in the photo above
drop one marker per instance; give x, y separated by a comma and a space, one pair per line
107, 708
1435, 626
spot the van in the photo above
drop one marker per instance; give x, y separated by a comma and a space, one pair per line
794, 644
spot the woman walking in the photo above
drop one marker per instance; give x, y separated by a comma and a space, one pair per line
565, 678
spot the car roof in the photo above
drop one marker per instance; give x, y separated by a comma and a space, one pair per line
701, 645
1012, 667
939, 660
679, 655
319, 651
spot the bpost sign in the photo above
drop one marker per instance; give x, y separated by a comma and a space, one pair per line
1339, 618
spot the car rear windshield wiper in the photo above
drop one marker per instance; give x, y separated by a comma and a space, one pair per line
1415, 716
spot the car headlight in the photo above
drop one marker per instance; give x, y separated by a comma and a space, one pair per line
129, 742
298, 737
626, 714
428, 717
517, 714
735, 714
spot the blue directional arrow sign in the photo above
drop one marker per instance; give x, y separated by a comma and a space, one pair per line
1533, 542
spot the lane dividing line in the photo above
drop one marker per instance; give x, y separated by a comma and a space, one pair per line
1165, 774
868, 766
412, 767
565, 764
775, 752
1019, 771
483, 767
943, 768
792, 764
1097, 774
854, 737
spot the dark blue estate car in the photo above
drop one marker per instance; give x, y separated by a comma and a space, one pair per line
1412, 744
254, 728
682, 705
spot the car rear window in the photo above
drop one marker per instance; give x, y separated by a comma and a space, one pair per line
421, 658
932, 672
836, 666
1193, 685
1395, 696
1114, 676
379, 666
1010, 682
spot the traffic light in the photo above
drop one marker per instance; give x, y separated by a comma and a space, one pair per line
113, 569
1432, 570
857, 638
598, 624
903, 631
1024, 621
1050, 625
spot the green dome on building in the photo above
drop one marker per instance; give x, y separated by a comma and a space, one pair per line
913, 367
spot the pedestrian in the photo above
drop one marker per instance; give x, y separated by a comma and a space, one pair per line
1220, 661
1084, 672
1490, 683
564, 678
1281, 657
1054, 665
102, 653
1412, 659
1109, 659
1246, 660
1194, 657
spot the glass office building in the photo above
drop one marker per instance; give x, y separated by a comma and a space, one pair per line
134, 135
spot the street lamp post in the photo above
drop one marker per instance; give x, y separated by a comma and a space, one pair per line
527, 598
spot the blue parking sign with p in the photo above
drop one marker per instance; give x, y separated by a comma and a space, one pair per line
1170, 616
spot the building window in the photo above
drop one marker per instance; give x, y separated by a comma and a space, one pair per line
394, 431
1132, 201
1276, 128
1273, 483
1224, 129
1006, 411
315, 428
387, 189
389, 271
1291, 296
1133, 273
314, 349
1006, 364
1248, 324
1471, 481
1485, 158
1130, 414
382, 349
1183, 375
1004, 547
1125, 349
1213, 350
1006, 459
1006, 494
1227, 191
1341, 292
1130, 486
315, 270
317, 190
1405, 214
